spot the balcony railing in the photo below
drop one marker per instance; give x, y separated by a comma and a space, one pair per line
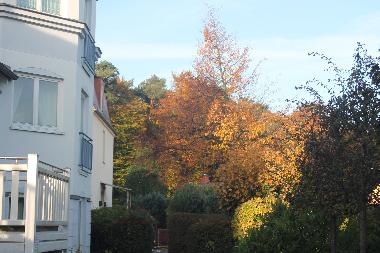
89, 52
86, 152
34, 199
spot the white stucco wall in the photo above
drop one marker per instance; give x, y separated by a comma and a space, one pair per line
102, 171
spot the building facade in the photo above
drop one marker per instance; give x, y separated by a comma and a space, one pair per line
103, 137
48, 110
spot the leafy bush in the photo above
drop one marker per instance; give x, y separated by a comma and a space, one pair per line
179, 224
194, 198
133, 233
155, 203
102, 220
116, 229
211, 235
287, 230
250, 215
348, 235
143, 181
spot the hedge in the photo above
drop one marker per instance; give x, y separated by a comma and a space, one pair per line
179, 229
210, 236
116, 229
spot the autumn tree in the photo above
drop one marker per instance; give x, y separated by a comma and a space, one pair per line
182, 143
221, 61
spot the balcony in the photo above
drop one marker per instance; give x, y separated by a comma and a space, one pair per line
89, 57
85, 152
33, 205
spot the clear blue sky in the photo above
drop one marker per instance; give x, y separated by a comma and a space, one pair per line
145, 37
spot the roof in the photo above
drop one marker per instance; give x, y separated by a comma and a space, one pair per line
100, 103
7, 72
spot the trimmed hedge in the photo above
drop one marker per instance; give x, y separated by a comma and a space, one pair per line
210, 236
179, 225
116, 229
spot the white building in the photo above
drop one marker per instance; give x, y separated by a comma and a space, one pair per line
49, 45
103, 137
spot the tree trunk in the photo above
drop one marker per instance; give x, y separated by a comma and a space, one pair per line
363, 229
333, 234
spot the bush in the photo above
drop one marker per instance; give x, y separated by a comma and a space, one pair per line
102, 220
194, 198
210, 236
155, 203
251, 215
287, 230
143, 181
133, 233
348, 235
116, 229
179, 224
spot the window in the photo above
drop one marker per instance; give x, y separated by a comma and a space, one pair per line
23, 101
35, 103
51, 6
29, 4
48, 6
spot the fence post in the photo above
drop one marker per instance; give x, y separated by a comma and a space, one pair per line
31, 199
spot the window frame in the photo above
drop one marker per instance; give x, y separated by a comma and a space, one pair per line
35, 127
38, 7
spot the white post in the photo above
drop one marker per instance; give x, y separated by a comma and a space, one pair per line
31, 198
14, 195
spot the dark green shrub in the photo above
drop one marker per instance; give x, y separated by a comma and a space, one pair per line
133, 233
210, 235
143, 181
194, 198
102, 220
155, 203
116, 229
287, 230
348, 235
179, 224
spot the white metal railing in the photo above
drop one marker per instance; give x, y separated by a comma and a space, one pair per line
33, 195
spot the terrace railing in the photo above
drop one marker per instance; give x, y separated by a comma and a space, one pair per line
33, 205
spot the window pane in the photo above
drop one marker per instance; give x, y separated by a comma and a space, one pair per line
23, 101
47, 104
51, 6
30, 4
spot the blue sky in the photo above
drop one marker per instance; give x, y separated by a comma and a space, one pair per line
145, 37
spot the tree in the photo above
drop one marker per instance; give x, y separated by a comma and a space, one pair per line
152, 89
341, 165
221, 61
182, 143
107, 71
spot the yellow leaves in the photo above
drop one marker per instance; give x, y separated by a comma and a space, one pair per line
250, 215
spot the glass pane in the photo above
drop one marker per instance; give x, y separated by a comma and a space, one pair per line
51, 6
47, 103
30, 4
23, 101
